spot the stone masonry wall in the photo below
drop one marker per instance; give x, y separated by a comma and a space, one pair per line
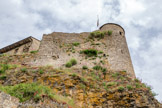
56, 49
119, 56
25, 48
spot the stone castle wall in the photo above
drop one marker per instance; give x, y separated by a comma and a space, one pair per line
56, 49
32, 45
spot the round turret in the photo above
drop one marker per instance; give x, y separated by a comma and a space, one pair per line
113, 27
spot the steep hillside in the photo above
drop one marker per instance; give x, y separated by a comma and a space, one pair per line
70, 87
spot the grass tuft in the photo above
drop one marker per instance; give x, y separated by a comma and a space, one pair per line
90, 52
71, 63
84, 67
109, 33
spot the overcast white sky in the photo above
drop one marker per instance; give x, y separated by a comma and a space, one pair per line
141, 19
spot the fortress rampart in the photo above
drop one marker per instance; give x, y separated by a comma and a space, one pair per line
57, 49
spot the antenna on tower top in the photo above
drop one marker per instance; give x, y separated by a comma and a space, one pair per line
97, 20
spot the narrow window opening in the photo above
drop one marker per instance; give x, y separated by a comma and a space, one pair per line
120, 33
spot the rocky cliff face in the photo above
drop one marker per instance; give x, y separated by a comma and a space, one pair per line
48, 87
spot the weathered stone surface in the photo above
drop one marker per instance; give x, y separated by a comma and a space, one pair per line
56, 49
7, 101
24, 46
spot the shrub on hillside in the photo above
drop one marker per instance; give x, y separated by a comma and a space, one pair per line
90, 52
85, 67
71, 63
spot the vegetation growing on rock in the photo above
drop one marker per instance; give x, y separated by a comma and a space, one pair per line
109, 33
28, 91
87, 87
90, 52
97, 34
71, 63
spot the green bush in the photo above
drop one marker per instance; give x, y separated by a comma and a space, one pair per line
100, 52
97, 67
68, 64
136, 80
109, 33
129, 87
41, 71
3, 68
33, 52
74, 75
85, 67
121, 88
23, 70
71, 63
138, 85
90, 52
97, 34
28, 91
104, 70
76, 44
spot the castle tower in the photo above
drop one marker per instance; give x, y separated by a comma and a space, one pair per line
119, 56
58, 48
